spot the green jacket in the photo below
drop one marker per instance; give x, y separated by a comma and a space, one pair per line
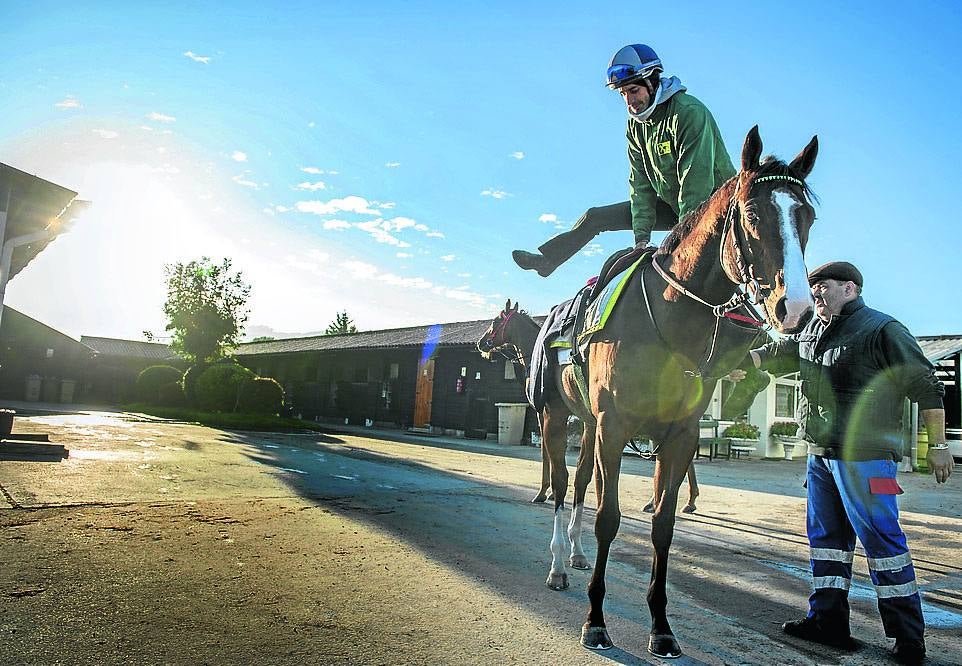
676, 155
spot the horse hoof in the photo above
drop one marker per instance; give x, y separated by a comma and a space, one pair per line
664, 646
649, 508
539, 498
689, 508
557, 581
579, 562
595, 638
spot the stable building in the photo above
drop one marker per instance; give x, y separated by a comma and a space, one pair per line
420, 376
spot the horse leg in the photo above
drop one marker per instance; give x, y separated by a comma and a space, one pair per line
545, 468
554, 443
692, 490
578, 560
608, 450
650, 507
675, 458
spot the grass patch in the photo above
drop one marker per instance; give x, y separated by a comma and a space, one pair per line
226, 420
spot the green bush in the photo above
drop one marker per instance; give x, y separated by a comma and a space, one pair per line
189, 382
171, 395
742, 430
260, 395
218, 387
151, 379
783, 429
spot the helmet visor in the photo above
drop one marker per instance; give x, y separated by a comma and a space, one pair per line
620, 74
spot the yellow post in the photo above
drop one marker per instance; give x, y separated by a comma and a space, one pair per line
923, 450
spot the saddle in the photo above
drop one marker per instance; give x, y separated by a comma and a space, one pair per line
565, 334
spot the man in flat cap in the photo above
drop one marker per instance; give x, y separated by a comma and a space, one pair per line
857, 365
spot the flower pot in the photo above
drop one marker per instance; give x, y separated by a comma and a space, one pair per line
788, 444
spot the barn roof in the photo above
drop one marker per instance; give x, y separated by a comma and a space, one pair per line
129, 348
937, 347
33, 204
466, 333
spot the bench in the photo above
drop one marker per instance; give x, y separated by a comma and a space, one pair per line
710, 443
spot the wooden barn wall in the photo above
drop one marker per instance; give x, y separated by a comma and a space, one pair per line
357, 385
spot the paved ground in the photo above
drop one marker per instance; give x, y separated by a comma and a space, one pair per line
160, 543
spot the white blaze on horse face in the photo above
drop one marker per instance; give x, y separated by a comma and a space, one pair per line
798, 296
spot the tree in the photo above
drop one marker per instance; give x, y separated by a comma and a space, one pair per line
205, 308
342, 324
263, 338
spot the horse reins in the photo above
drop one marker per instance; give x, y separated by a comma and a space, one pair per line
748, 291
500, 332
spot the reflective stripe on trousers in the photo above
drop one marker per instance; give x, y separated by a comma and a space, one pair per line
841, 506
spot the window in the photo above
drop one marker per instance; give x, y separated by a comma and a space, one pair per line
785, 401
395, 370
509, 370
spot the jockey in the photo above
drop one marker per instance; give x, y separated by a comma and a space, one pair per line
676, 153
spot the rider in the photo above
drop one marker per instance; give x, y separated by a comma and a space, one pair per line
677, 156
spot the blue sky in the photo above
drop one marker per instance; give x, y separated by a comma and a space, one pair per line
386, 159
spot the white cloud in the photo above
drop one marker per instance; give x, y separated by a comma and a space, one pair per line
464, 276
238, 156
392, 165
497, 194
434, 234
282, 209
360, 269
312, 170
378, 230
241, 179
312, 187
447, 257
398, 281
311, 124
386, 205
337, 224
404, 255
69, 102
548, 217
592, 250
160, 117
106, 134
352, 204
197, 58
166, 168
518, 155
399, 223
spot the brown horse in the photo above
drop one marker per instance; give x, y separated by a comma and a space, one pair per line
513, 334
653, 368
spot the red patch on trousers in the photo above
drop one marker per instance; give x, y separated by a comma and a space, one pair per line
884, 486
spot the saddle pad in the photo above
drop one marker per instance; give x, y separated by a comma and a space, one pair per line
601, 308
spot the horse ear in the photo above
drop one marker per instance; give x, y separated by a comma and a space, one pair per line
516, 306
507, 305
752, 150
805, 160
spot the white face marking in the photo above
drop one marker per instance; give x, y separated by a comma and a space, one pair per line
798, 296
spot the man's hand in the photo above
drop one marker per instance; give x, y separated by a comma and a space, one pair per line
940, 463
736, 375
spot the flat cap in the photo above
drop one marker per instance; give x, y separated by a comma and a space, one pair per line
836, 270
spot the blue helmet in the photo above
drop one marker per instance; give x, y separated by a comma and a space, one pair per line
631, 64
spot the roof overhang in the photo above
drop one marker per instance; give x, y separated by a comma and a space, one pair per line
36, 210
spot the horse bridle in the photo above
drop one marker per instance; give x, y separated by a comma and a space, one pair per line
499, 331
751, 290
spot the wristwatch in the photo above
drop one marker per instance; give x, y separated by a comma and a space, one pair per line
939, 447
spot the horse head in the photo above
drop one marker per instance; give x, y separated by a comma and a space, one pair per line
763, 245
497, 336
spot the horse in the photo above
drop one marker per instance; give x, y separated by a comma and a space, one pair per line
513, 334
653, 367
515, 330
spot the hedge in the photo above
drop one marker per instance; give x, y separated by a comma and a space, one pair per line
218, 387
151, 379
261, 395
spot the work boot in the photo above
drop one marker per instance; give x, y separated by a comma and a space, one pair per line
909, 651
530, 261
809, 629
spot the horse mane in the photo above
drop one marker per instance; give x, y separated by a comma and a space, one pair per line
716, 203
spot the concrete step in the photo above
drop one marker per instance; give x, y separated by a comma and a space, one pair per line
17, 449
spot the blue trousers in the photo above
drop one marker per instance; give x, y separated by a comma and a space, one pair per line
857, 498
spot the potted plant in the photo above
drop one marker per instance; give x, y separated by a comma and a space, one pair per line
786, 434
743, 436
